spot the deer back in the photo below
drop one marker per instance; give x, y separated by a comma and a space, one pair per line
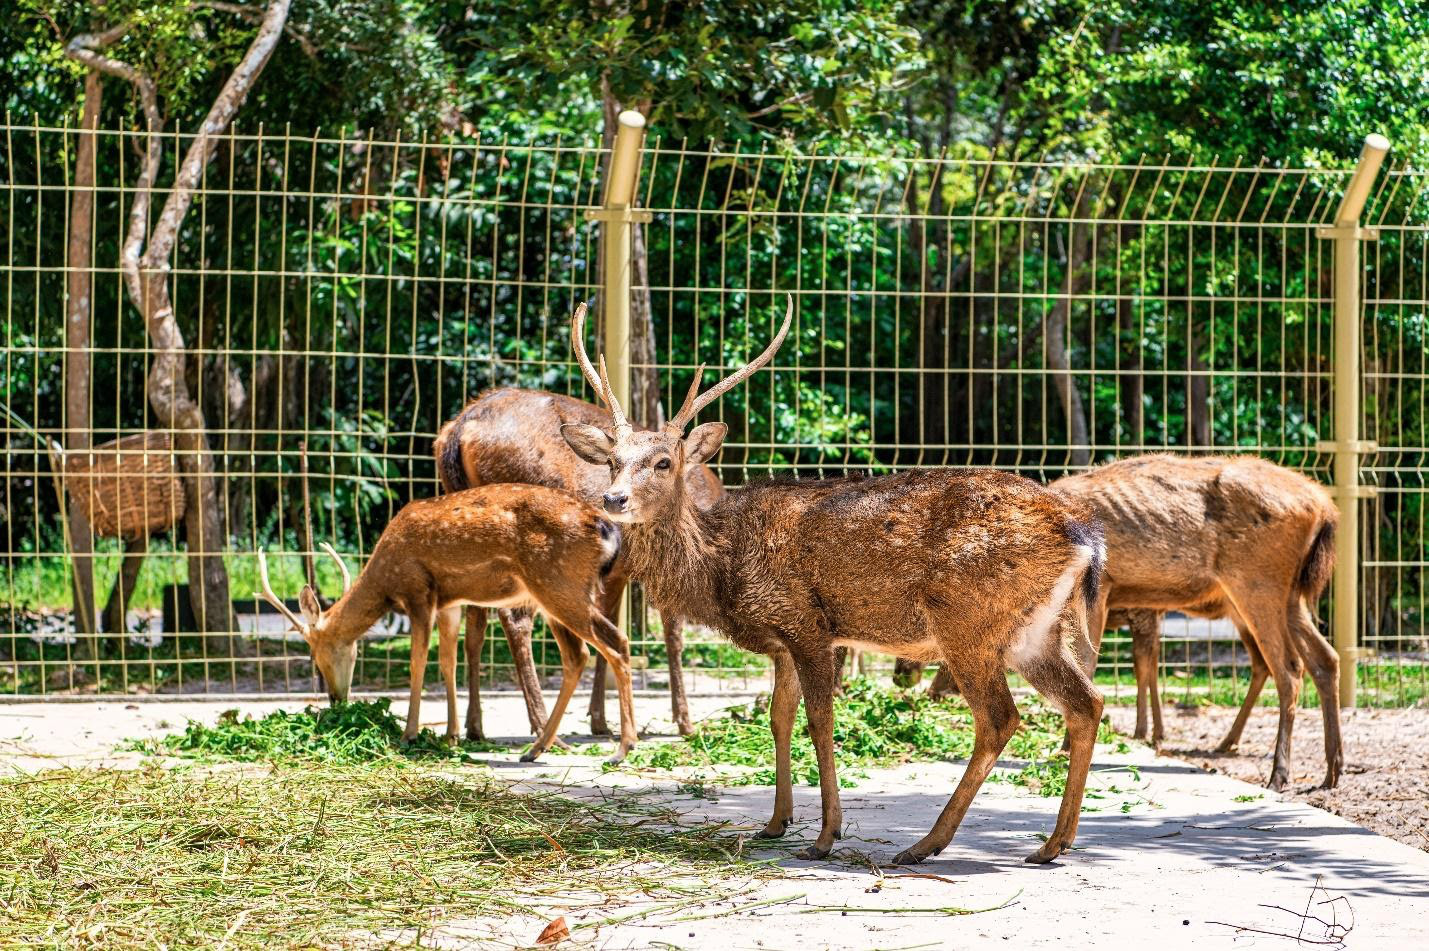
848, 559
1176, 525
491, 545
514, 435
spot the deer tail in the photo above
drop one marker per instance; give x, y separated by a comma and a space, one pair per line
1319, 562
449, 462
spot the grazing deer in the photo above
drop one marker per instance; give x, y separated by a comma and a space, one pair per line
512, 435
493, 546
1222, 536
973, 568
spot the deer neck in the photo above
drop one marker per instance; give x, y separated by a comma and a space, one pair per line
674, 557
353, 614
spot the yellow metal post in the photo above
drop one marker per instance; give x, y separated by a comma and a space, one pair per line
1348, 447
617, 218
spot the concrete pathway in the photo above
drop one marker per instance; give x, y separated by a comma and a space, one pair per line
1173, 857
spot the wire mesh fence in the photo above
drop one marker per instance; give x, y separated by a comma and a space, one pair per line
341, 297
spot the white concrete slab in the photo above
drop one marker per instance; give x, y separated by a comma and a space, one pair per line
1183, 867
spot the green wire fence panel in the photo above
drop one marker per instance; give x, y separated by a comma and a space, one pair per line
344, 296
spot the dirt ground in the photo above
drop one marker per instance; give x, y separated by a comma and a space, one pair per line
1385, 786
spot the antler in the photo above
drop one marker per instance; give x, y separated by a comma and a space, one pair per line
600, 381
342, 565
267, 593
693, 403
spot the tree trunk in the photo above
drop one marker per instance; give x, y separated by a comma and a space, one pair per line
79, 283
116, 610
1133, 387
1198, 391
933, 322
1057, 346
146, 272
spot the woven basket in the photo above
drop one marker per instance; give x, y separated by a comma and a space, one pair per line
128, 488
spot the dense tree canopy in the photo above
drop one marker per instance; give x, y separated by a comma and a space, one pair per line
1289, 85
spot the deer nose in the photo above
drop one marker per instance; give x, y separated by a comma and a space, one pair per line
615, 502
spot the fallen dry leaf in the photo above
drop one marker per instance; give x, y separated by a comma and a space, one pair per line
554, 932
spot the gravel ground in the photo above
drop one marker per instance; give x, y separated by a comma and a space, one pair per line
1385, 786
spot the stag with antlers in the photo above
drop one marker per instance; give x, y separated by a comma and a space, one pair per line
494, 546
976, 569
511, 435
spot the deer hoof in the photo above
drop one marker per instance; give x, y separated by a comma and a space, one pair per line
812, 853
910, 856
774, 830
1278, 779
475, 735
1227, 747
1049, 851
529, 756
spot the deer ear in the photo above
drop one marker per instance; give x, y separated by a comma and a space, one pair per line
704, 441
589, 442
308, 601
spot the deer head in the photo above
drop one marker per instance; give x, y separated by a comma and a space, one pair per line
647, 468
334, 650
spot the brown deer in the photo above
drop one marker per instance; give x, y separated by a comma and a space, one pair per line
493, 546
513, 435
972, 568
1222, 536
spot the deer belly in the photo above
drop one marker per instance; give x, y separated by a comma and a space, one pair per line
925, 649
507, 593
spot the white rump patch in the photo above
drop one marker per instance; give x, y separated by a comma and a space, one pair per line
609, 545
1032, 641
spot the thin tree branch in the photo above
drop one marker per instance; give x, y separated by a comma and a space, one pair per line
85, 48
254, 14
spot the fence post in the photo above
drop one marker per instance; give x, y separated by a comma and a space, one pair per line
617, 217
1347, 446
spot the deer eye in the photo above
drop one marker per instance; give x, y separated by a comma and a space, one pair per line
663, 464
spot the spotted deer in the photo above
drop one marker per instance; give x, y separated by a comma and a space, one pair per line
983, 570
1222, 537
494, 546
514, 435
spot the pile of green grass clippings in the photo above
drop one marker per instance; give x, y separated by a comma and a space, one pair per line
313, 854
874, 726
351, 733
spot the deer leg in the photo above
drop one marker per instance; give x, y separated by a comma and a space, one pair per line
517, 625
783, 707
1324, 666
1269, 624
573, 656
1061, 679
421, 618
995, 719
1258, 673
943, 685
674, 649
448, 634
818, 678
607, 639
475, 639
610, 607
1145, 651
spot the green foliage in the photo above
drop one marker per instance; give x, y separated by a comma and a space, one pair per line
345, 734
874, 726
708, 71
